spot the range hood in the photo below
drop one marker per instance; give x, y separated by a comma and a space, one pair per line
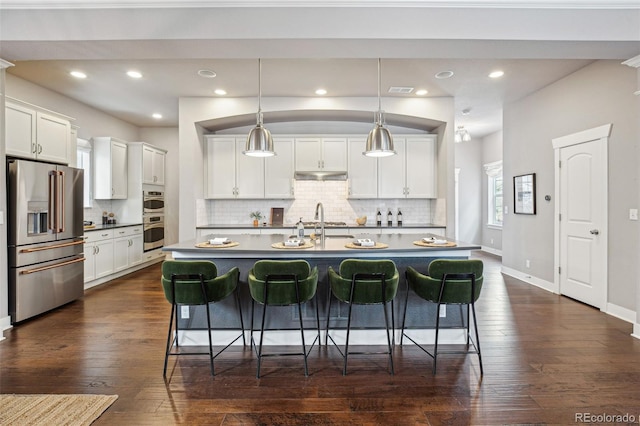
318, 175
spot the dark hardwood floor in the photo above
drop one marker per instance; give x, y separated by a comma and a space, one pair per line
546, 358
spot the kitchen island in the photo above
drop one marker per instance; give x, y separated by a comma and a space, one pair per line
250, 248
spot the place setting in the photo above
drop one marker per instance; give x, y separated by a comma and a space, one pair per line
434, 242
218, 242
293, 243
365, 243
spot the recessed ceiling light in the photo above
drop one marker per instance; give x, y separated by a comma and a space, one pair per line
134, 74
78, 74
444, 74
421, 92
321, 92
206, 73
156, 116
220, 92
496, 74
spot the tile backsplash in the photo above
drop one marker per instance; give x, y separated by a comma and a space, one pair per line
332, 195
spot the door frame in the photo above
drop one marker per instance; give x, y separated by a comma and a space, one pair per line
602, 134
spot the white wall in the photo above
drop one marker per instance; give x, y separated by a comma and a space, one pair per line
468, 157
598, 94
491, 152
191, 150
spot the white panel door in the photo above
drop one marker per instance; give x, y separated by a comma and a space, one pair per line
20, 131
221, 168
392, 172
583, 253
421, 170
308, 154
334, 154
53, 135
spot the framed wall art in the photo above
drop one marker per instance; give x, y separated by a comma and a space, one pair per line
524, 194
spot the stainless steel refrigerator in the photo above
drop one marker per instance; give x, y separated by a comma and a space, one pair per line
45, 220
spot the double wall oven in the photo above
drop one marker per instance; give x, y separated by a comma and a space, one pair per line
153, 219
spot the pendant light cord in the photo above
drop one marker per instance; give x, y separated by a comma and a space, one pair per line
379, 84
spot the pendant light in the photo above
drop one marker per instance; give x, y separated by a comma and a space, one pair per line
259, 141
379, 141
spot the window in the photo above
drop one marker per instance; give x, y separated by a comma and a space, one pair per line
495, 193
84, 162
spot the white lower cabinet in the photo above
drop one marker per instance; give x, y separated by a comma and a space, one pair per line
98, 253
112, 252
127, 248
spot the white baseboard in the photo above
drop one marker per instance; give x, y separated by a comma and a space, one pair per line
491, 250
545, 285
5, 324
292, 337
622, 313
636, 330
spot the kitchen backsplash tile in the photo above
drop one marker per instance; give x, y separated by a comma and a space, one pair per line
332, 194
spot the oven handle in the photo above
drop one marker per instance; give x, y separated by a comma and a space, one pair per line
57, 265
31, 250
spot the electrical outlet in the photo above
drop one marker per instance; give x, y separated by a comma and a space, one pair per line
1, 217
633, 214
506, 210
492, 241
527, 263
443, 311
184, 312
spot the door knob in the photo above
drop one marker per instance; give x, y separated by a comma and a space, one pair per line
594, 232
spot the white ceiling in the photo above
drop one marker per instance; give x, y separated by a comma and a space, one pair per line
307, 48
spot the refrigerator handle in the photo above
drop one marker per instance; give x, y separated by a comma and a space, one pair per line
61, 198
51, 219
57, 265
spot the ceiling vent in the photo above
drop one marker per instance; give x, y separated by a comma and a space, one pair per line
400, 90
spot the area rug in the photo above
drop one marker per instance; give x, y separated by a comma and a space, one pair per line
51, 410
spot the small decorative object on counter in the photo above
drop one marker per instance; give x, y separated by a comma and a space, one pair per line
105, 217
399, 218
378, 218
112, 219
362, 220
257, 215
300, 227
389, 218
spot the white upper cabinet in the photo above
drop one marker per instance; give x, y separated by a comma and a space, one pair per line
278, 170
412, 172
110, 168
327, 154
230, 173
153, 163
37, 134
363, 171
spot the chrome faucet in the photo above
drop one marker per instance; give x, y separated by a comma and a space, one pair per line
320, 216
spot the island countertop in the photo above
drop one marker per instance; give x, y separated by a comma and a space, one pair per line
260, 246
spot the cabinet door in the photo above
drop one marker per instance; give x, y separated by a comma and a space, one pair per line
221, 168
334, 154
20, 131
421, 167
278, 170
104, 258
362, 171
136, 249
90, 262
121, 254
391, 173
52, 134
118, 170
308, 154
147, 164
249, 174
158, 167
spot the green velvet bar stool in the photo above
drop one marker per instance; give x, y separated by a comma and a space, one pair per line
283, 283
196, 283
449, 282
364, 282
